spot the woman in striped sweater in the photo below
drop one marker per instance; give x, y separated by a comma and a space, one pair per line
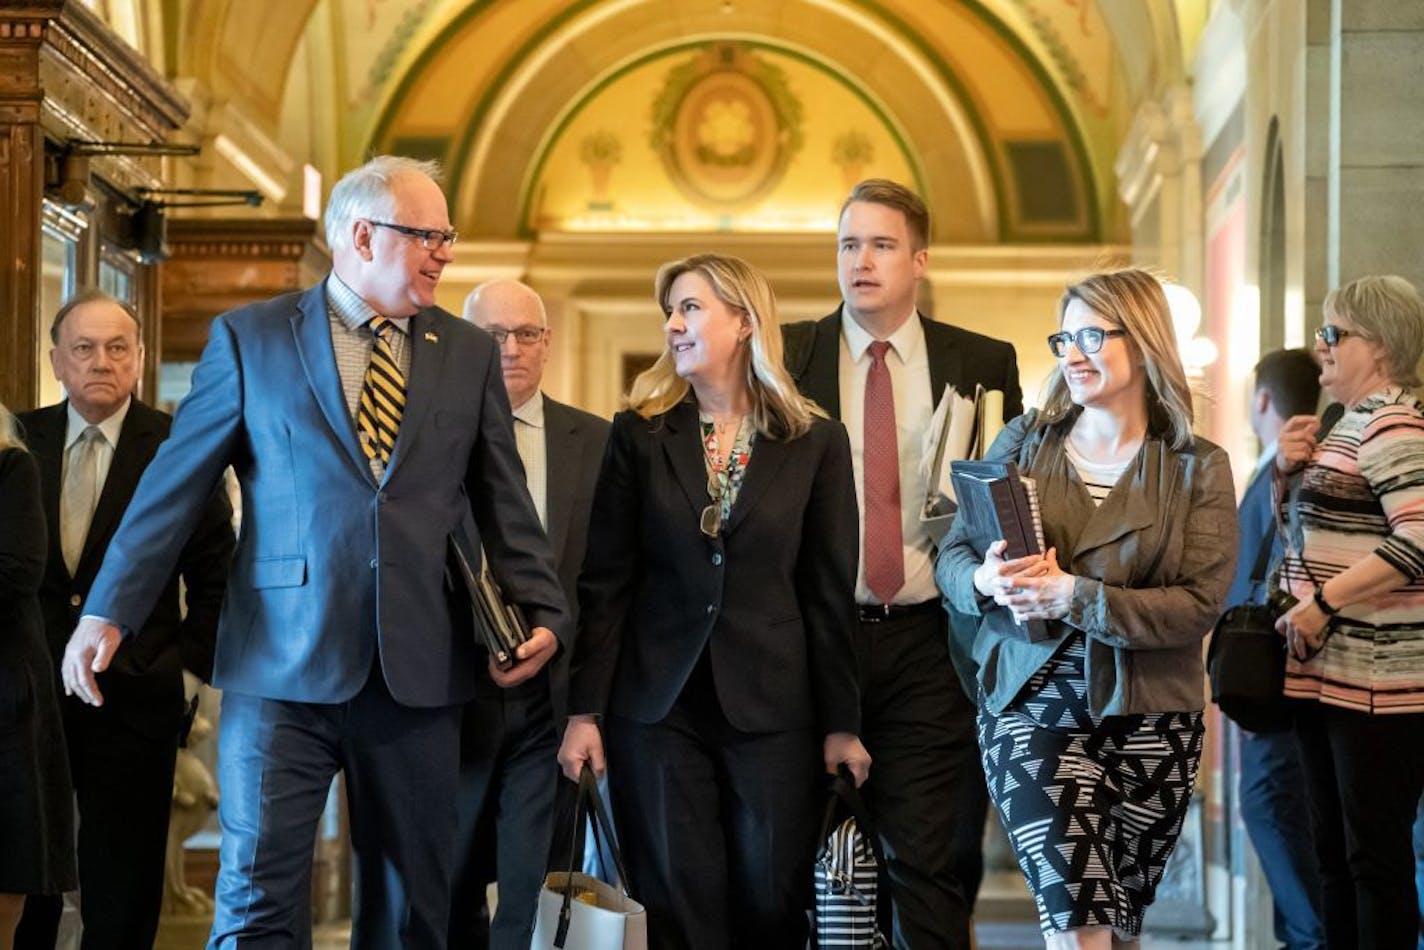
1356, 637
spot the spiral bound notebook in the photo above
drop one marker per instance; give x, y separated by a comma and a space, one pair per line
997, 503
499, 625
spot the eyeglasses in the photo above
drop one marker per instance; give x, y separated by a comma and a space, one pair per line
524, 336
711, 520
1331, 335
1088, 339
430, 238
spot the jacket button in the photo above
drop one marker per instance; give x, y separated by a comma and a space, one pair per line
711, 609
717, 559
373, 564
75, 600
382, 497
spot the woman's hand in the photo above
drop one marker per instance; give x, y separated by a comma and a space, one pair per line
1303, 626
994, 578
583, 742
1039, 591
1296, 444
844, 748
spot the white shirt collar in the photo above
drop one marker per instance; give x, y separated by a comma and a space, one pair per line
907, 341
110, 427
532, 412
1267, 456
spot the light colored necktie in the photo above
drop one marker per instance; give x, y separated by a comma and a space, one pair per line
884, 537
378, 416
80, 495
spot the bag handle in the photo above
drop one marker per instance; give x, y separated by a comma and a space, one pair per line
588, 794
845, 794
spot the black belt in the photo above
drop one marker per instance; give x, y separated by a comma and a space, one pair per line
880, 613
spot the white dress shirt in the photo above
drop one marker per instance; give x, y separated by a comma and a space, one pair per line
909, 365
533, 452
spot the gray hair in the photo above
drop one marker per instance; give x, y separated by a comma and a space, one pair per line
88, 296
1386, 309
366, 192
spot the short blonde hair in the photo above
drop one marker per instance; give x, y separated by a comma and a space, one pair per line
1132, 299
9, 430
1386, 309
779, 411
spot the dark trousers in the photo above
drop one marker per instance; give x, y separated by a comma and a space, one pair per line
926, 788
508, 775
1273, 804
1364, 775
123, 785
276, 762
718, 827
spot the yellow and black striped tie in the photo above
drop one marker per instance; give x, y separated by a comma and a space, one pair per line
378, 417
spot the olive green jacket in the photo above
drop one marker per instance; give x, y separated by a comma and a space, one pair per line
1152, 565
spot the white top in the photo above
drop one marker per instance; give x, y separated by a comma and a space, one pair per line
1098, 477
533, 452
909, 365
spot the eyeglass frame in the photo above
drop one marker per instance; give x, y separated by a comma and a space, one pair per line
500, 334
1325, 331
424, 235
710, 522
1080, 338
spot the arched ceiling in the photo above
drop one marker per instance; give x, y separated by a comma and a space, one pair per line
990, 96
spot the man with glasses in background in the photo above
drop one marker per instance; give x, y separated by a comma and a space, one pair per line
366, 426
508, 771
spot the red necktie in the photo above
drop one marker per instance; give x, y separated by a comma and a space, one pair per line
884, 540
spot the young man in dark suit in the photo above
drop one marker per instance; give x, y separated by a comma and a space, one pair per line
508, 772
880, 367
92, 449
1273, 789
367, 427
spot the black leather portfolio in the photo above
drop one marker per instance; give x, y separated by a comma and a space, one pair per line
499, 625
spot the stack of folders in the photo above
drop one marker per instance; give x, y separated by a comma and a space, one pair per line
963, 427
500, 626
997, 503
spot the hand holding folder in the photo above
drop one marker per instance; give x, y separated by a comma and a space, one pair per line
997, 503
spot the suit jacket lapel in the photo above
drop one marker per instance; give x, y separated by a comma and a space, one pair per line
683, 447
427, 358
1132, 506
312, 332
944, 359
46, 442
768, 456
562, 467
131, 456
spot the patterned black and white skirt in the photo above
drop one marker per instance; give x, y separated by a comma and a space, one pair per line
1092, 807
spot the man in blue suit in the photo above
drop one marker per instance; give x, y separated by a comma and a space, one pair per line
1274, 806
366, 426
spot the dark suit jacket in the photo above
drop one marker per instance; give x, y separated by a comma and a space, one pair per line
332, 565
957, 357
1256, 518
144, 683
574, 441
770, 599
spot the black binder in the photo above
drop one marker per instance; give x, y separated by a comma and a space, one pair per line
995, 503
500, 626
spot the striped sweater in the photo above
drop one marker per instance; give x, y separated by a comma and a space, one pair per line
1362, 494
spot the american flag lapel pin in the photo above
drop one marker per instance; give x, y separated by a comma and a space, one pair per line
431, 338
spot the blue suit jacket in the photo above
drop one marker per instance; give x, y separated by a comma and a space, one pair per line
331, 566
1255, 518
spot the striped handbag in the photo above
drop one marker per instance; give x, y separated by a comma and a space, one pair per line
847, 873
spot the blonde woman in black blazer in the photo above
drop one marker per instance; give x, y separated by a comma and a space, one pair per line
715, 664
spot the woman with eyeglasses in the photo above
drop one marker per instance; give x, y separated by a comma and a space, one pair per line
715, 665
1090, 739
1355, 564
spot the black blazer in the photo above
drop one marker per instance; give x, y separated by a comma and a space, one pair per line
574, 441
771, 599
144, 683
957, 357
